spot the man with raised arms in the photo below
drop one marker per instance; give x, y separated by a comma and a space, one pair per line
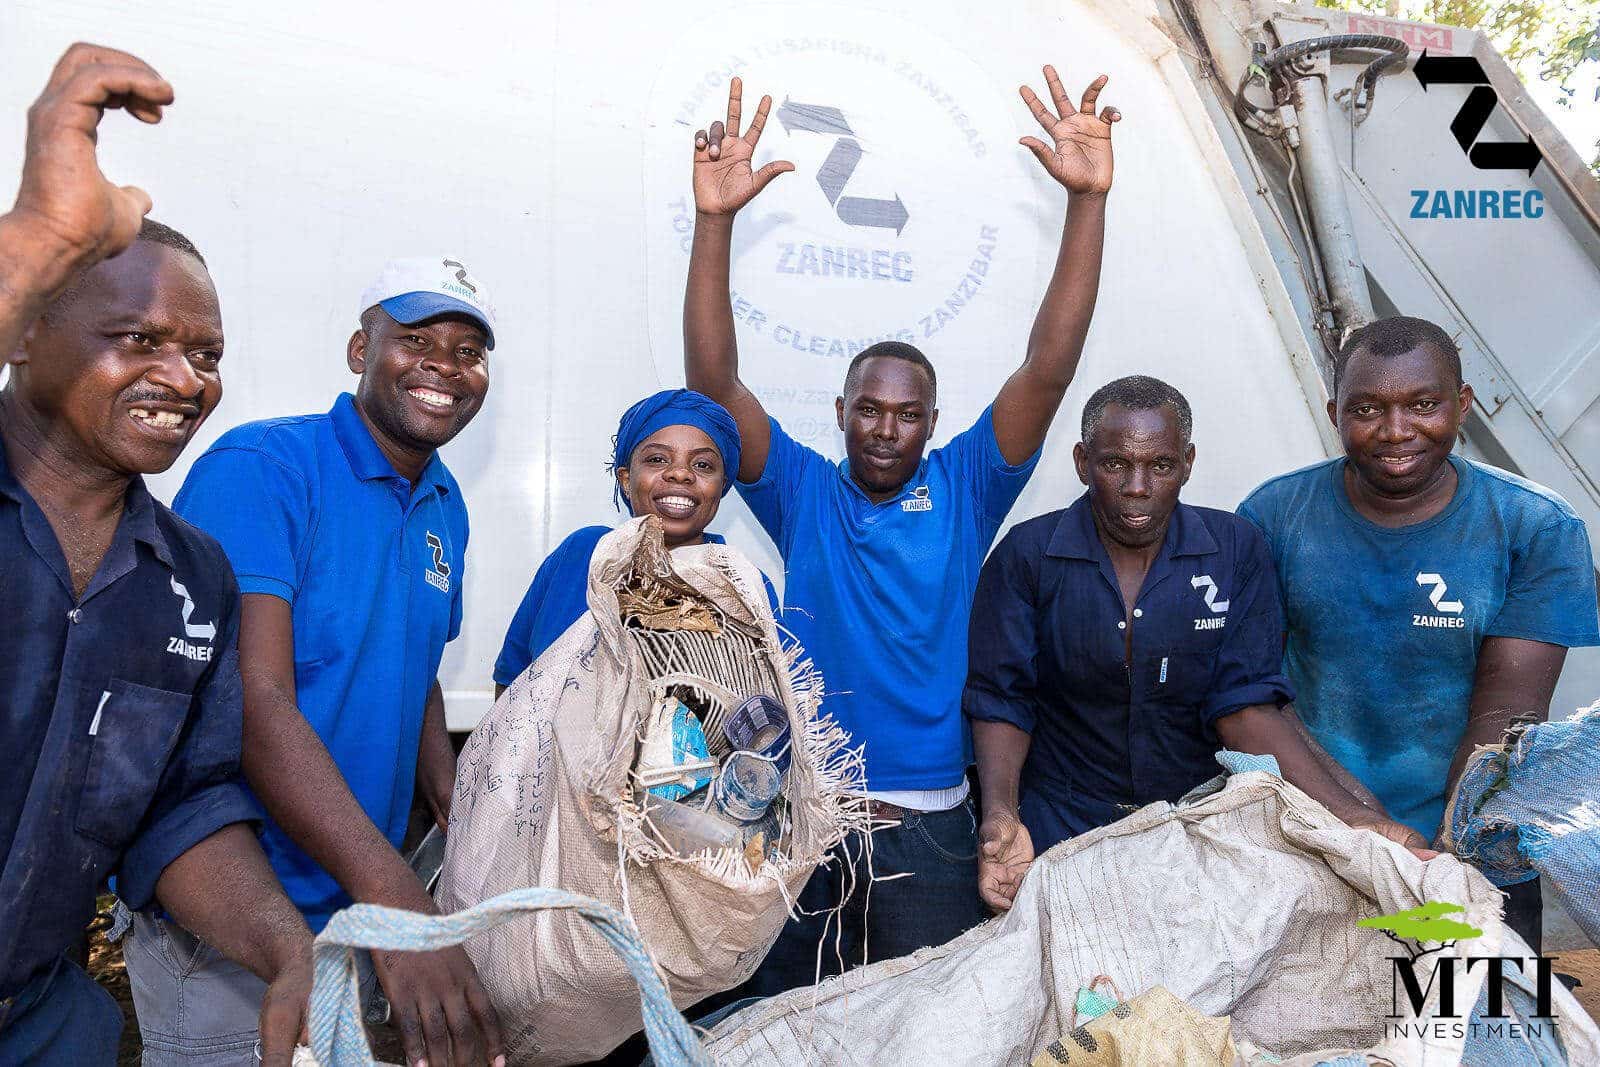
882, 551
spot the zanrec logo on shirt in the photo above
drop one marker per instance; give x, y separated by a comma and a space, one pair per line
1450, 619
918, 501
1218, 608
202, 631
439, 576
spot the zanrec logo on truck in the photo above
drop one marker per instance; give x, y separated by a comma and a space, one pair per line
909, 203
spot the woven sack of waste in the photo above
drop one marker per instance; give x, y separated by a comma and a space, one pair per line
1244, 902
1530, 807
570, 781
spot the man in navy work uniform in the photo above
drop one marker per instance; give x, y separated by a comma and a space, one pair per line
1117, 644
1429, 600
120, 704
348, 537
882, 550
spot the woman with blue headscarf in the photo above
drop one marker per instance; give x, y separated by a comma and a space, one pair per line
677, 454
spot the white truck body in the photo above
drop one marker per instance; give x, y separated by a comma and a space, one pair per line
548, 146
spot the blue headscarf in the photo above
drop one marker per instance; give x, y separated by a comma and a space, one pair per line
676, 407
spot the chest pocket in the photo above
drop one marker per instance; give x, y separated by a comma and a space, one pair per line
135, 733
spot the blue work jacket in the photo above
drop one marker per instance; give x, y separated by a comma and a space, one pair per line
1112, 733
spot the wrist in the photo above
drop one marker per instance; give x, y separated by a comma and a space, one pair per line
290, 952
713, 221
395, 886
1087, 200
39, 253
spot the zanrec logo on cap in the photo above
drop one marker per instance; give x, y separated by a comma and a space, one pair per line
918, 500
439, 576
200, 631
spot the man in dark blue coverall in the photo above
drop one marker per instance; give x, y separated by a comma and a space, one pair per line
120, 701
1118, 643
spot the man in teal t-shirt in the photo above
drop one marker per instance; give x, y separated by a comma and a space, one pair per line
1429, 600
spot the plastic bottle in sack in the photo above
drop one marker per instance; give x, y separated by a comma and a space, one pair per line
687, 830
746, 786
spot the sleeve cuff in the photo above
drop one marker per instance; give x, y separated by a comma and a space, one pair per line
259, 583
1274, 690
985, 707
996, 459
194, 819
1566, 639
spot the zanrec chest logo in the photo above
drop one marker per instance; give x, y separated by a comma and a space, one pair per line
199, 631
439, 576
1451, 610
1219, 608
918, 500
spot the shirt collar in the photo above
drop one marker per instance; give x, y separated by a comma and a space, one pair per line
366, 459
1076, 538
138, 508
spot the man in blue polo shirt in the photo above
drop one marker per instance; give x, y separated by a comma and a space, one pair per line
1430, 600
348, 537
883, 550
120, 701
1118, 643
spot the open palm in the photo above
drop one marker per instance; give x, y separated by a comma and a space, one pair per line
1080, 154
723, 179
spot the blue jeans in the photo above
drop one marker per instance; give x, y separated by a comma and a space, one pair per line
61, 1019
936, 903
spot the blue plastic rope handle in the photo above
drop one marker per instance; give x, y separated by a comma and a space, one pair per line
338, 1038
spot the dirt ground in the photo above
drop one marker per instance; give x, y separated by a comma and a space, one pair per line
1585, 967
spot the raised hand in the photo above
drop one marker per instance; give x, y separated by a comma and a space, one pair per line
723, 179
1005, 852
1080, 158
64, 199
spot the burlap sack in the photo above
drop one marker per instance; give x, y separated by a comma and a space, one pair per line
543, 798
1243, 903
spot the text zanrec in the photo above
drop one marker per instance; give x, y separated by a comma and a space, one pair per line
1477, 204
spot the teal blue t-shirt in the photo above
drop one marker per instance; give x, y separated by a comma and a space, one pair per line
1384, 624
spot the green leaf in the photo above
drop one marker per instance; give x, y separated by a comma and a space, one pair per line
1425, 923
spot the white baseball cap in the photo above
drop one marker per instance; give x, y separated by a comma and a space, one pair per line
421, 287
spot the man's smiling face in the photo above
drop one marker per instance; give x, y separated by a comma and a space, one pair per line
1399, 417
421, 384
128, 360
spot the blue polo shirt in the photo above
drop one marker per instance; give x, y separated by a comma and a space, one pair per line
559, 596
120, 718
879, 594
1047, 655
1385, 623
310, 511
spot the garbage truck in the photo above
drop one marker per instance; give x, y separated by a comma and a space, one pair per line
1283, 173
